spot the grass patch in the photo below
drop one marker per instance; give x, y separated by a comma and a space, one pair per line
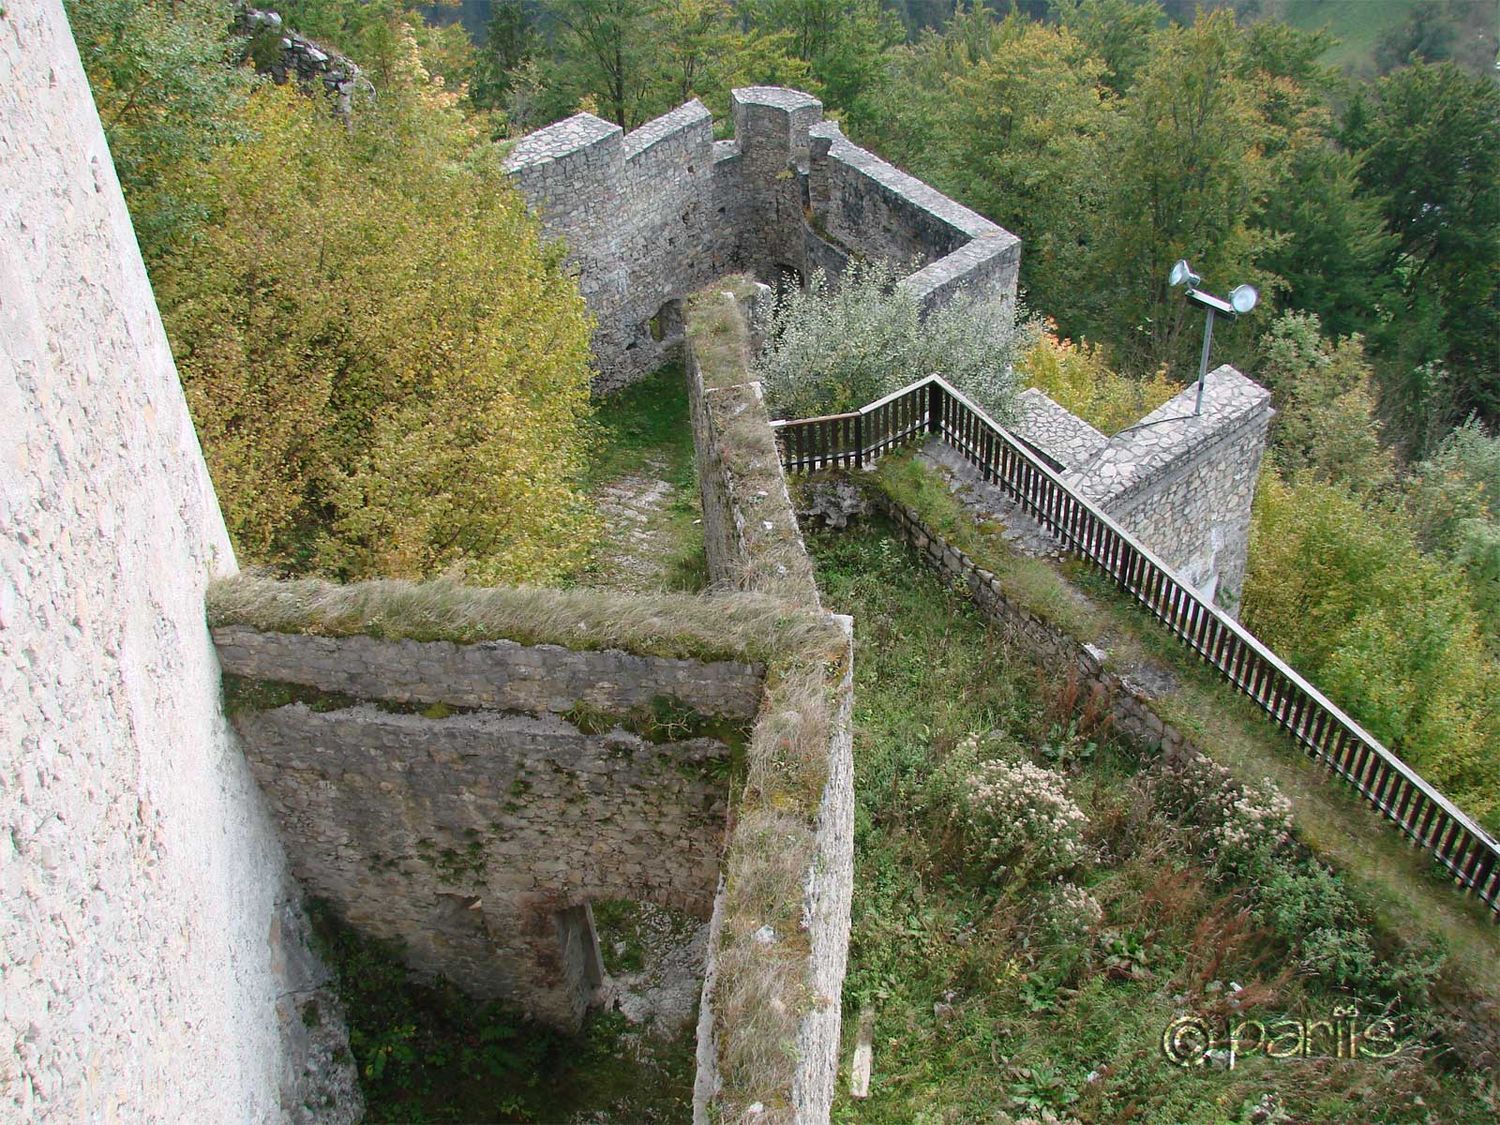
1028, 582
1411, 894
1356, 24
644, 430
980, 1014
428, 1053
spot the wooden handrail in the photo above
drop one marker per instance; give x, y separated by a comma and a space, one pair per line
932, 405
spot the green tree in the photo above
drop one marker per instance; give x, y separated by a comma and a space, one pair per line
1325, 404
844, 43
1117, 32
166, 94
1332, 242
1338, 585
1431, 160
1454, 501
609, 51
1021, 142
1187, 170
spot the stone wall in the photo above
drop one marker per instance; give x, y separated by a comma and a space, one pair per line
751, 536
285, 56
150, 942
497, 675
1183, 482
470, 801
1128, 703
650, 216
755, 544
1180, 481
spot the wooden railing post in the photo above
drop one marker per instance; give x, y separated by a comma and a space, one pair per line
934, 407
859, 438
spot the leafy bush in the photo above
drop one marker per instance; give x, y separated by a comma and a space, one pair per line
1075, 376
1325, 404
1238, 827
1016, 821
389, 374
1454, 502
836, 346
1339, 586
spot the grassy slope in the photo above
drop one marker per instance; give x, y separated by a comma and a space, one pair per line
973, 1016
1415, 900
1356, 24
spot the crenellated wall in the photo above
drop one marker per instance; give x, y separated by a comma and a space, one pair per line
651, 216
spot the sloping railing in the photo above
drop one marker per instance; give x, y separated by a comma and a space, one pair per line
932, 406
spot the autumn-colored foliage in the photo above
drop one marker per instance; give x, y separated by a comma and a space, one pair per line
388, 371
1076, 376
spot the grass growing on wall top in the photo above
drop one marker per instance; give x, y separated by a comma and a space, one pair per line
717, 332
775, 561
726, 627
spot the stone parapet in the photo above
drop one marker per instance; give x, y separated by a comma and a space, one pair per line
497, 675
655, 214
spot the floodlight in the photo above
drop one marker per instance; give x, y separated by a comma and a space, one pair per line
1242, 298
1182, 274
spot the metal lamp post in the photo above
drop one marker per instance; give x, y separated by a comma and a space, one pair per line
1241, 300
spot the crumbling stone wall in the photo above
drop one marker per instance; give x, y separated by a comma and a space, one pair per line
470, 801
650, 216
151, 945
286, 55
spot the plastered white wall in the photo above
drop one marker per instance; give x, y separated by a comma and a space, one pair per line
139, 950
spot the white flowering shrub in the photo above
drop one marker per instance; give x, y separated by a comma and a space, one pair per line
1015, 818
1238, 824
1068, 913
836, 347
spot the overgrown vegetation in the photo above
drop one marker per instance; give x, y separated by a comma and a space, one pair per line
1412, 896
388, 373
1003, 994
1076, 377
837, 347
428, 1053
726, 627
761, 996
743, 448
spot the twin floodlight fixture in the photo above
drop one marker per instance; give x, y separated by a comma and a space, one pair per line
1241, 300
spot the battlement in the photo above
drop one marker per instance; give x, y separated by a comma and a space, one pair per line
652, 215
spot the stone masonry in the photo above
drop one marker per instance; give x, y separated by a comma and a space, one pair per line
438, 797
1179, 481
1183, 483
653, 215
151, 942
